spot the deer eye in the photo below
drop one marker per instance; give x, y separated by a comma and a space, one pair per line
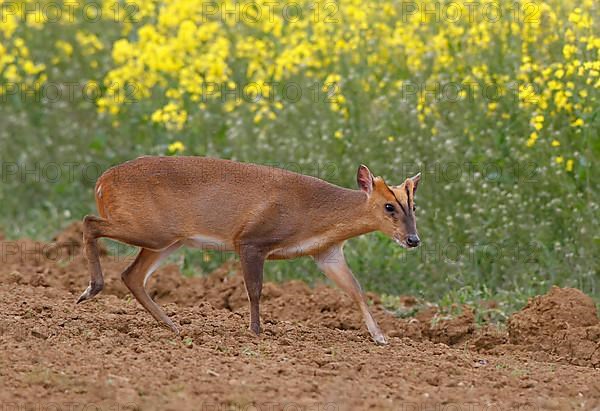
390, 208
414, 208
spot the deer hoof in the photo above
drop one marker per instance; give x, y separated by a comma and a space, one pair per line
380, 340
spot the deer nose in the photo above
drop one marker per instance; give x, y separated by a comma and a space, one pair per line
412, 240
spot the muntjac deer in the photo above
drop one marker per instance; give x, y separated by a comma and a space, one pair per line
260, 212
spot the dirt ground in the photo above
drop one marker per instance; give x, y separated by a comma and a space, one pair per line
314, 353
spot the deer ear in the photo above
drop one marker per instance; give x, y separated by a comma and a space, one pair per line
364, 178
415, 181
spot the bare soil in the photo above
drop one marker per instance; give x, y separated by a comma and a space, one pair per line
314, 352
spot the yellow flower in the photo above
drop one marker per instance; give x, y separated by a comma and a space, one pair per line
65, 47
229, 106
569, 50
176, 147
338, 134
559, 159
173, 93
89, 42
577, 123
532, 139
156, 116
11, 74
575, 16
31, 69
569, 165
555, 143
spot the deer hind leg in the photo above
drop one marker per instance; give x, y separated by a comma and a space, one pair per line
91, 232
96, 227
333, 264
138, 273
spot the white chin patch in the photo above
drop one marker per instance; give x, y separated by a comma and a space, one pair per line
401, 243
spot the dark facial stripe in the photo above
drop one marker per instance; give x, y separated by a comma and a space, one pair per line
398, 201
408, 199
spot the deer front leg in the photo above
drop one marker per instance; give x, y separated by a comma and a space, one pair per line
333, 264
252, 261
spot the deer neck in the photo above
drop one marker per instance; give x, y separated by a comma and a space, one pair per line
349, 215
